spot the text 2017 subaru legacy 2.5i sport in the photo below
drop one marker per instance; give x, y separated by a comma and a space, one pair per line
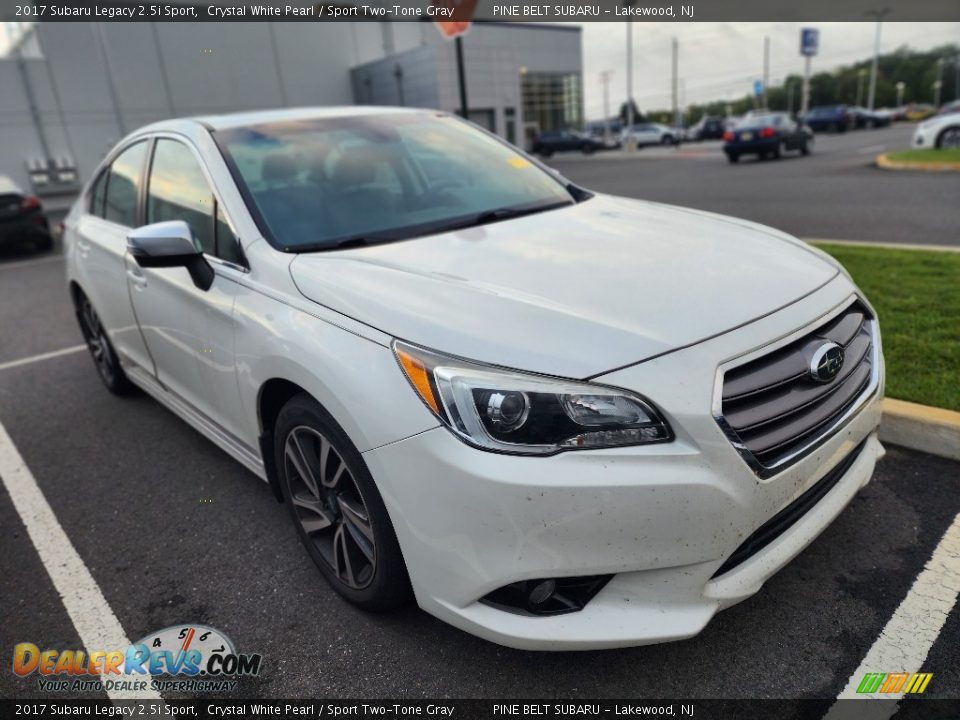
555, 418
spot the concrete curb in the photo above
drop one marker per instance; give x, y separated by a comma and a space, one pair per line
891, 246
920, 427
884, 161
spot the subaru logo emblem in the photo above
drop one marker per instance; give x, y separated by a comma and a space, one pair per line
826, 362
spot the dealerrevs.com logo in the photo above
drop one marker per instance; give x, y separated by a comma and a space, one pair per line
184, 658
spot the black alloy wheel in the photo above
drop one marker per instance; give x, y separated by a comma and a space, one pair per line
949, 138
102, 352
338, 512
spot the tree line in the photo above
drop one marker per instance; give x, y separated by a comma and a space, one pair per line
917, 70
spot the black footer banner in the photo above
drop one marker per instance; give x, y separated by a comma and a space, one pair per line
925, 709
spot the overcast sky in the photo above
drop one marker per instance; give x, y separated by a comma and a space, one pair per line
721, 60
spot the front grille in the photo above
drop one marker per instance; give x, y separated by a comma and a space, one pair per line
785, 519
772, 408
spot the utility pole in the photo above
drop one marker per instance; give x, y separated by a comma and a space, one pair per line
605, 81
879, 15
860, 75
673, 83
900, 86
766, 70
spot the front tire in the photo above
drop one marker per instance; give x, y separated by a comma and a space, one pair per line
949, 138
337, 509
101, 350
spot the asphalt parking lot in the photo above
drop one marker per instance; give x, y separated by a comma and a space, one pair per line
173, 531
835, 193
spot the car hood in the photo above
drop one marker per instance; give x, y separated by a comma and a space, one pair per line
572, 292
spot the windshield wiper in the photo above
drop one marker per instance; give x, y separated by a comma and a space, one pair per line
344, 244
504, 213
484, 218
508, 213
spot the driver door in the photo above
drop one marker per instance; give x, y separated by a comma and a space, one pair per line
190, 331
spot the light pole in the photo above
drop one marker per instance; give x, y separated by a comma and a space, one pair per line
860, 75
605, 80
766, 70
879, 15
938, 84
900, 87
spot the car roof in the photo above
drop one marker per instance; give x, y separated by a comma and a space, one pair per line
261, 117
8, 186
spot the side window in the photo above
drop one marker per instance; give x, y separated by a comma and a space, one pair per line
227, 245
98, 194
178, 190
124, 184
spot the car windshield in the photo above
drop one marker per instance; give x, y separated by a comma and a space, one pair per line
323, 183
759, 121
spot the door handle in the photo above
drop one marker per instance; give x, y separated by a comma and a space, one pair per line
137, 277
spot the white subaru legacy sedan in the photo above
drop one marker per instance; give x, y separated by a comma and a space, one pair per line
557, 419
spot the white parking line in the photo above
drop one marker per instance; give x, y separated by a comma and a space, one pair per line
28, 263
93, 618
906, 640
41, 356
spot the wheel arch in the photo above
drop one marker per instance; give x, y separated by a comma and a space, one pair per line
76, 292
272, 396
943, 132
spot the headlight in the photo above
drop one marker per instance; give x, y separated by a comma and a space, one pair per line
514, 412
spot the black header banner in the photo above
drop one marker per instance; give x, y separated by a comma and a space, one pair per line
482, 10
927, 709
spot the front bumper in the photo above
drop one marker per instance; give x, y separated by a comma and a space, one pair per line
661, 518
922, 138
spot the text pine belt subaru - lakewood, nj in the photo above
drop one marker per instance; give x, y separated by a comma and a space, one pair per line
557, 419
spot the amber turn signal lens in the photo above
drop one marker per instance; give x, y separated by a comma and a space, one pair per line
419, 378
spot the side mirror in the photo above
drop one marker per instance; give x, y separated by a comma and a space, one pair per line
170, 244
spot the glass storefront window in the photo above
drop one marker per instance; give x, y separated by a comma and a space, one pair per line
554, 101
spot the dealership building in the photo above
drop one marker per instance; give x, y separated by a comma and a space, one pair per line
71, 90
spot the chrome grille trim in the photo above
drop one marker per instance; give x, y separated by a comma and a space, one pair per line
768, 355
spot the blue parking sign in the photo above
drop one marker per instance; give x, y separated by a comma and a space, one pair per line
809, 41
758, 87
